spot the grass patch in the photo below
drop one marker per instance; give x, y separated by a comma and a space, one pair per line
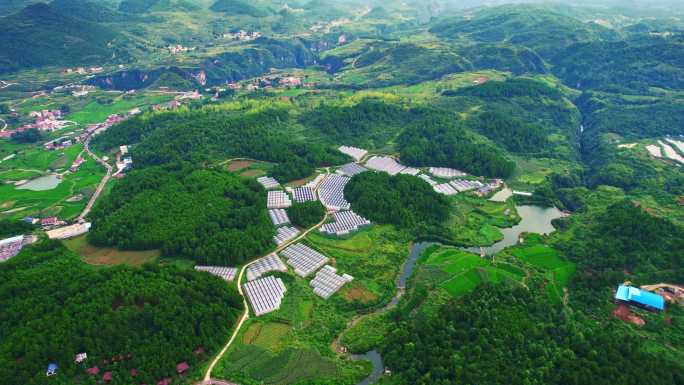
108, 256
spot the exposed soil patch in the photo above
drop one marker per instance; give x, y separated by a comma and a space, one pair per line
238, 165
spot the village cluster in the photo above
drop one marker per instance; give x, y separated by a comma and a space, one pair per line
107, 376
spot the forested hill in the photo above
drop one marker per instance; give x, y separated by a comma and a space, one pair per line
257, 130
538, 27
40, 35
149, 319
209, 216
499, 335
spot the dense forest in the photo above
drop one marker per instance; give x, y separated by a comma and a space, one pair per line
306, 214
624, 242
499, 335
439, 139
370, 123
243, 130
210, 216
149, 319
402, 200
10, 228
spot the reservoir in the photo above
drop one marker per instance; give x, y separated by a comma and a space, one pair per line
534, 219
47, 182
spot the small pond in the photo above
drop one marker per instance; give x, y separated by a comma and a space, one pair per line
533, 219
42, 183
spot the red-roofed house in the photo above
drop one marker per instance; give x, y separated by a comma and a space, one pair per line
49, 221
93, 371
134, 372
107, 376
182, 367
165, 381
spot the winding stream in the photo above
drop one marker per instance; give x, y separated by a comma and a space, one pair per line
533, 219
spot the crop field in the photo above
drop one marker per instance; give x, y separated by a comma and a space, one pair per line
96, 111
465, 271
474, 221
373, 257
530, 173
292, 344
36, 158
108, 256
17, 203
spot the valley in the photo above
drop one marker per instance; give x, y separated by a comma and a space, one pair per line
341, 192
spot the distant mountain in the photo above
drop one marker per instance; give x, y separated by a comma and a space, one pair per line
87, 10
11, 6
39, 35
141, 6
239, 7
538, 27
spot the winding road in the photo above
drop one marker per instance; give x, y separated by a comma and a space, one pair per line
207, 380
102, 183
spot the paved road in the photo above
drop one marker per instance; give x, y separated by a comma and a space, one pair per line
100, 186
207, 376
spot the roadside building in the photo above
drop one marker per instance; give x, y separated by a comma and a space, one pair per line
640, 298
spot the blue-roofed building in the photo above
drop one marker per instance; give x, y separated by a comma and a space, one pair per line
641, 298
51, 369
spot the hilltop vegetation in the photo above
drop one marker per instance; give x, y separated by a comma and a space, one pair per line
235, 130
402, 200
439, 139
152, 318
538, 27
208, 216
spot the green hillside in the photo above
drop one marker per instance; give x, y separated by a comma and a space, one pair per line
538, 27
40, 35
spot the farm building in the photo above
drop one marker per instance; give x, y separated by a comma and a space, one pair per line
331, 192
10, 247
327, 282
446, 173
265, 265
265, 294
303, 194
304, 259
278, 217
344, 223
70, 231
284, 234
445, 188
427, 179
641, 298
226, 273
465, 185
268, 182
278, 200
410, 171
354, 152
51, 369
385, 164
351, 169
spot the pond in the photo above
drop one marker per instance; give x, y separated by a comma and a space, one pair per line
533, 219
374, 357
42, 183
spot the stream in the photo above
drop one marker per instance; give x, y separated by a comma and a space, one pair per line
374, 356
533, 219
